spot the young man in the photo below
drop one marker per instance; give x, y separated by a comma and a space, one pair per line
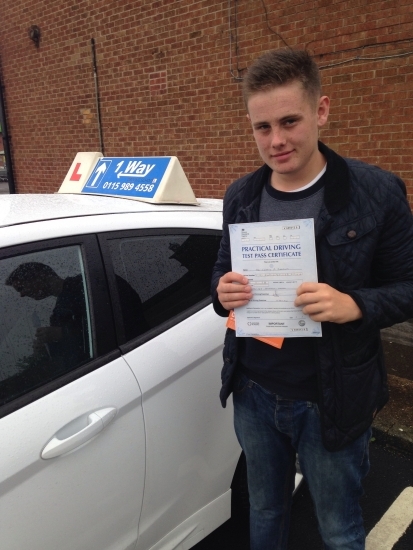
315, 396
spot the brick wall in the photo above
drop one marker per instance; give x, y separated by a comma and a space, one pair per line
169, 81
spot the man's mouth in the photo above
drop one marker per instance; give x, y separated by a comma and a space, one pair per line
282, 155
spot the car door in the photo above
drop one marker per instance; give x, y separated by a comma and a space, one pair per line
175, 352
73, 448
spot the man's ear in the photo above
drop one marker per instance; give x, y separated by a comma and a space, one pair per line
248, 117
323, 110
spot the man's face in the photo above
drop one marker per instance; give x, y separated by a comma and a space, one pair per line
33, 289
285, 122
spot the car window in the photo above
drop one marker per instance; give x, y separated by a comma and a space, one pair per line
45, 329
160, 276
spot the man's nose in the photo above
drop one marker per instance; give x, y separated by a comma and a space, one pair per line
277, 137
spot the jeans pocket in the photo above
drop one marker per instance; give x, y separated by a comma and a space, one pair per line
240, 383
316, 409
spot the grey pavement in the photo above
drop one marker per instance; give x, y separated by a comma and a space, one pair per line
394, 424
4, 188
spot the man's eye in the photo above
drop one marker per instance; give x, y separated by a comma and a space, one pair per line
290, 121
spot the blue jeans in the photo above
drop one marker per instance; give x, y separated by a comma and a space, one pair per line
271, 430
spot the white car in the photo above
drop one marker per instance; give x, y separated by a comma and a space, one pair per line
113, 436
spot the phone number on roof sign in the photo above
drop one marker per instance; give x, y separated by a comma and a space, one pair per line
142, 187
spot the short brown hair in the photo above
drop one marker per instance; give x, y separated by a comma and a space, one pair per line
29, 272
279, 67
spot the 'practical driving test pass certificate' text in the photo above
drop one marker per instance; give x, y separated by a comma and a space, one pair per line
276, 257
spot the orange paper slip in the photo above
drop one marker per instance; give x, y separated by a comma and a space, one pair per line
274, 341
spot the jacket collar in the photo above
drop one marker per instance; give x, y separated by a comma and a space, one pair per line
337, 187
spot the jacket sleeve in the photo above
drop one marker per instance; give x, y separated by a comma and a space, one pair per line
389, 300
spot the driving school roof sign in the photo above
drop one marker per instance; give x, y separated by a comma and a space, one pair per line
149, 179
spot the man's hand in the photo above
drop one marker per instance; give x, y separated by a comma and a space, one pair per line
322, 302
46, 335
233, 290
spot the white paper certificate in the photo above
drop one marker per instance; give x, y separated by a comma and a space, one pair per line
276, 257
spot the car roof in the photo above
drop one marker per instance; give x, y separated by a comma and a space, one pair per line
18, 209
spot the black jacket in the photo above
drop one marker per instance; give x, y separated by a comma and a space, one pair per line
364, 242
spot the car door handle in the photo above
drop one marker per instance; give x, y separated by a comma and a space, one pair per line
96, 421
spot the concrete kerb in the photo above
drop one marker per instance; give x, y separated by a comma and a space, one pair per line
401, 438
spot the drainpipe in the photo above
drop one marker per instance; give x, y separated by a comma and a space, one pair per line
6, 143
95, 77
